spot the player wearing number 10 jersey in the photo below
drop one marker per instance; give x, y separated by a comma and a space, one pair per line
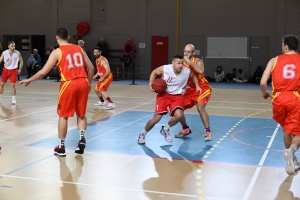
285, 70
75, 86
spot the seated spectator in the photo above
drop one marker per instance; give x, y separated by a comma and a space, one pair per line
128, 51
38, 61
219, 74
240, 77
257, 75
30, 65
103, 47
230, 76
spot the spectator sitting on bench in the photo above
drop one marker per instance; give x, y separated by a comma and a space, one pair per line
128, 53
240, 77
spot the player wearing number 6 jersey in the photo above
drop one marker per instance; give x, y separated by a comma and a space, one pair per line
285, 70
74, 88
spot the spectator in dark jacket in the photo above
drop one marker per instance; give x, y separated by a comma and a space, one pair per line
103, 47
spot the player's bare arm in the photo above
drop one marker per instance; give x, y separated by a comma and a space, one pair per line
1, 58
195, 80
265, 77
53, 59
157, 72
89, 66
21, 64
105, 64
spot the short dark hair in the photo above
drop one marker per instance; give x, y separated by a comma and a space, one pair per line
62, 33
177, 57
240, 70
96, 48
234, 69
10, 42
291, 41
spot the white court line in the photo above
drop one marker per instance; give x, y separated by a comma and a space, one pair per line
3, 120
261, 162
98, 185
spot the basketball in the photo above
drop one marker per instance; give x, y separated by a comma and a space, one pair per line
159, 85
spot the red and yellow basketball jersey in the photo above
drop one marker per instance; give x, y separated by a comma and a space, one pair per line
203, 83
100, 68
286, 73
71, 64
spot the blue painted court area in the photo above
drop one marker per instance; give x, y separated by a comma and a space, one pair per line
245, 144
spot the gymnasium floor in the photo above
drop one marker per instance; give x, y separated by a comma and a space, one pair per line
243, 162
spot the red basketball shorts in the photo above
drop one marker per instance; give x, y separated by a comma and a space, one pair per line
165, 101
73, 96
12, 74
191, 97
286, 107
102, 86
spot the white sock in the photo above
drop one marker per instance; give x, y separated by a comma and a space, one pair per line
144, 132
61, 142
13, 97
82, 134
166, 127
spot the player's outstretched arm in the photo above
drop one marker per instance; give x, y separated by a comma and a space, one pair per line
53, 58
265, 77
196, 82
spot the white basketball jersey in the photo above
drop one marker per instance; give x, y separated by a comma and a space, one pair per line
175, 82
11, 61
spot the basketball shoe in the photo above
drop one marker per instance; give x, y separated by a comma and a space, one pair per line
60, 151
296, 163
99, 103
141, 139
80, 146
13, 101
290, 162
183, 133
166, 134
208, 137
110, 106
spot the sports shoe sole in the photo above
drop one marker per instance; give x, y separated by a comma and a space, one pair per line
290, 167
180, 135
208, 139
59, 154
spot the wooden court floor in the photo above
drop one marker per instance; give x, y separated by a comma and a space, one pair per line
155, 171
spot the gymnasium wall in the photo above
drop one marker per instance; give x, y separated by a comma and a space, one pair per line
116, 20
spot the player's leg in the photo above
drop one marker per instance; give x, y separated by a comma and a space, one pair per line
161, 108
149, 125
103, 88
4, 79
101, 101
176, 111
290, 110
13, 80
81, 104
201, 104
189, 102
62, 133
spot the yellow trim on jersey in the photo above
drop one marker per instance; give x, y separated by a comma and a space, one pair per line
60, 57
274, 63
105, 81
297, 94
63, 88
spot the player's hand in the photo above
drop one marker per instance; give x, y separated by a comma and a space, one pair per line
266, 95
198, 89
150, 85
89, 88
94, 77
101, 79
187, 60
26, 81
19, 72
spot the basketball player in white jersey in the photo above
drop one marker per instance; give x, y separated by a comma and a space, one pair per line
176, 77
10, 70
